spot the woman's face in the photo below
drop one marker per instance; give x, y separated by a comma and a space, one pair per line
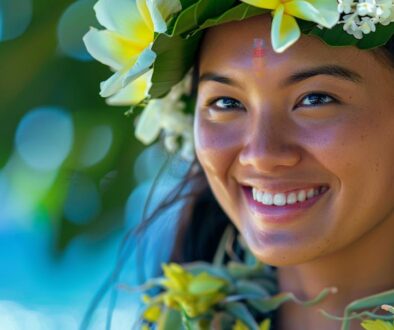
310, 130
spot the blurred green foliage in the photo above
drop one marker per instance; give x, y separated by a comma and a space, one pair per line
35, 73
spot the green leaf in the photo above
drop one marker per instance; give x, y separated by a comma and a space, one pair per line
271, 285
187, 3
239, 311
386, 297
205, 284
220, 253
338, 37
306, 26
200, 267
222, 320
240, 270
175, 57
237, 13
378, 38
270, 304
207, 9
197, 13
199, 324
248, 287
170, 320
185, 21
265, 325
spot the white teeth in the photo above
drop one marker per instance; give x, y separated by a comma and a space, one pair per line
301, 196
292, 198
281, 199
310, 193
259, 196
268, 199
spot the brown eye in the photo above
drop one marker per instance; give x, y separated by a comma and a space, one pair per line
226, 103
316, 99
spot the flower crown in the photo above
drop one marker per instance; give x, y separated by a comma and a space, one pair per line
151, 45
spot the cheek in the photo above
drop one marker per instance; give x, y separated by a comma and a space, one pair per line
217, 149
359, 154
353, 146
217, 145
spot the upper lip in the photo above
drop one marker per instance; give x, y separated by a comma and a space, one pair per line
282, 186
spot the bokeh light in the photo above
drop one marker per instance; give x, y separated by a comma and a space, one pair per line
83, 200
21, 190
97, 145
73, 25
44, 138
69, 190
15, 17
148, 163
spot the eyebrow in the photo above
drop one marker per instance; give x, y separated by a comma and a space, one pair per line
211, 76
330, 70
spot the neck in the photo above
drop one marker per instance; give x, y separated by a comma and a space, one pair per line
362, 269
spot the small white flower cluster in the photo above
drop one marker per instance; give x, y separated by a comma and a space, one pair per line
362, 16
167, 116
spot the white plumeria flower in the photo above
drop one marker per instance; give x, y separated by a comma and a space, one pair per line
345, 6
125, 45
386, 11
166, 115
134, 92
367, 25
368, 7
365, 14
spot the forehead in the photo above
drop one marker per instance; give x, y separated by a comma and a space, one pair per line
233, 45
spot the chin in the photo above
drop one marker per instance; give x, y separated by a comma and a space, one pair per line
282, 249
281, 259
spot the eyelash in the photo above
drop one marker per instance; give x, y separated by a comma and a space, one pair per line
317, 96
213, 105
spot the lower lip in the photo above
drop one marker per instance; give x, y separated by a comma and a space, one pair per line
280, 214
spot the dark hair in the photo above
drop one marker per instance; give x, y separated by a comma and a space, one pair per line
389, 47
386, 52
200, 227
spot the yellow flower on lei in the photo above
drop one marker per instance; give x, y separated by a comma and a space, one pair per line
285, 30
239, 325
193, 294
377, 325
380, 324
125, 45
152, 313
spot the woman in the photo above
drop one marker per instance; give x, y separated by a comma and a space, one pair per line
295, 138
305, 121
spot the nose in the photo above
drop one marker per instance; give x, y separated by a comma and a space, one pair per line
270, 146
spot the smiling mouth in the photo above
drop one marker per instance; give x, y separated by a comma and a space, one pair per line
287, 198
283, 207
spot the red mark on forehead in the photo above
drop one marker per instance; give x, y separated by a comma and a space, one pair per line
258, 47
258, 56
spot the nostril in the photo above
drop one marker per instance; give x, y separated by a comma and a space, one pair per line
266, 159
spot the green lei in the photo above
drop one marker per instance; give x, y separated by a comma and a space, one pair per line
238, 295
